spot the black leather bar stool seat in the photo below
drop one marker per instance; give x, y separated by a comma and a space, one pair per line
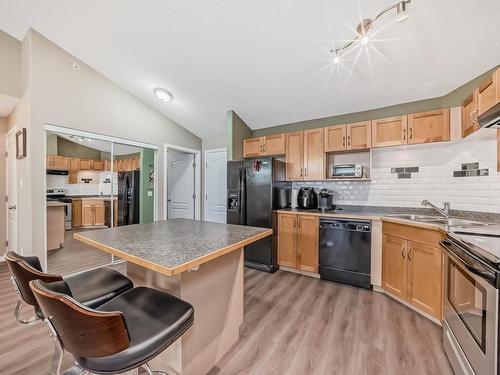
121, 335
154, 320
91, 288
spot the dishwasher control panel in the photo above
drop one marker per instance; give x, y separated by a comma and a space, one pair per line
350, 225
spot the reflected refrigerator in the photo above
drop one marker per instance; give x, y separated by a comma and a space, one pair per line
255, 188
128, 197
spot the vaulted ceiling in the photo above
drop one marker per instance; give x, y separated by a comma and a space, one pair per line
268, 60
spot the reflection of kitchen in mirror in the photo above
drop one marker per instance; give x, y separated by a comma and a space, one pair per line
92, 184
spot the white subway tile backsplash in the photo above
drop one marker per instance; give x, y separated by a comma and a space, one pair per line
434, 181
96, 187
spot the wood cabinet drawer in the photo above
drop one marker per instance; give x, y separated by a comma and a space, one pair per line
425, 236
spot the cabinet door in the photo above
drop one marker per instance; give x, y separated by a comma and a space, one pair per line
469, 115
136, 163
424, 278
99, 214
87, 214
85, 164
98, 165
252, 147
287, 240
274, 144
359, 135
394, 266
307, 243
389, 131
56, 162
335, 138
427, 127
294, 156
76, 213
489, 92
314, 167
72, 177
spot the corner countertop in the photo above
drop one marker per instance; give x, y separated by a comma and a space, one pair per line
174, 246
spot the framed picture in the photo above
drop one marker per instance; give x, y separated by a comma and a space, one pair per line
21, 144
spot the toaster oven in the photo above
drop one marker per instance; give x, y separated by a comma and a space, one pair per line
346, 171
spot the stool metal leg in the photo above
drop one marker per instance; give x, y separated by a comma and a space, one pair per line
19, 305
148, 371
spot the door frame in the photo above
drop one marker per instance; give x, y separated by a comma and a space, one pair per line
205, 177
197, 178
6, 204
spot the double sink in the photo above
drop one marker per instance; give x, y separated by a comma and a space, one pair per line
450, 222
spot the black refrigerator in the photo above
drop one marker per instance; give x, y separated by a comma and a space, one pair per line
255, 188
128, 197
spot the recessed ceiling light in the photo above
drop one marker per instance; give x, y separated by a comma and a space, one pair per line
336, 57
75, 66
165, 96
365, 40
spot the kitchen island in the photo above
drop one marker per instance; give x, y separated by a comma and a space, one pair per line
199, 262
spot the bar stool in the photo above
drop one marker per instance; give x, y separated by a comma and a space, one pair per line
91, 288
121, 335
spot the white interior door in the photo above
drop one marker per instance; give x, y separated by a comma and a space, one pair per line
11, 191
180, 181
215, 185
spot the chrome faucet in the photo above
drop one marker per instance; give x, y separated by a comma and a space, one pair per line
445, 211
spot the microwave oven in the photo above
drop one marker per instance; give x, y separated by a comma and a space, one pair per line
346, 171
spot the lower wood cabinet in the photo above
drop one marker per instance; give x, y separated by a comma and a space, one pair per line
412, 266
298, 241
88, 212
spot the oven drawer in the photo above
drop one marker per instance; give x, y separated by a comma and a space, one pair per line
456, 356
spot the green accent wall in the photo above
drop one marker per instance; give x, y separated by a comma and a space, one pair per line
146, 202
452, 99
237, 131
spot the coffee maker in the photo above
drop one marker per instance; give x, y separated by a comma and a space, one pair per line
325, 200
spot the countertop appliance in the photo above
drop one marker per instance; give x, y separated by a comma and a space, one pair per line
59, 195
255, 188
307, 198
345, 251
325, 200
470, 310
295, 195
490, 118
346, 171
128, 197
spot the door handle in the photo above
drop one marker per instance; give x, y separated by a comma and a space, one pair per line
12, 207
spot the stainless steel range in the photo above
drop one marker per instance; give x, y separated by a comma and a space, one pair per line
59, 195
471, 300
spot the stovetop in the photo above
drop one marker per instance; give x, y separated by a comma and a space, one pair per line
482, 242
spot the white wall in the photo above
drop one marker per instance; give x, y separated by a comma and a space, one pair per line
434, 181
85, 100
10, 65
3, 213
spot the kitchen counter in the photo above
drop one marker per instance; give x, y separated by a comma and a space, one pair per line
103, 197
201, 263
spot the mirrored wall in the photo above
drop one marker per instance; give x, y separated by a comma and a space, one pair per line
93, 183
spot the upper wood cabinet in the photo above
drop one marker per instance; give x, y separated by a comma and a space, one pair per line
56, 162
298, 241
294, 156
412, 266
74, 166
264, 146
359, 135
98, 165
427, 127
313, 155
489, 93
389, 131
469, 114
335, 138
252, 147
86, 164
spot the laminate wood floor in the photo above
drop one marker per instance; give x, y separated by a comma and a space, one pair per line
293, 325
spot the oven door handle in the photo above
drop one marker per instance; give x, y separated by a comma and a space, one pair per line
468, 263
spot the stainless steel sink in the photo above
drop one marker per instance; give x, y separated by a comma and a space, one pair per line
449, 222
424, 218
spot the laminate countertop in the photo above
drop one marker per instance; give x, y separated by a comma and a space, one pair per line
172, 246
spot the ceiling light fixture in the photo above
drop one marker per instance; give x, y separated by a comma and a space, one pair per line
75, 66
365, 25
165, 96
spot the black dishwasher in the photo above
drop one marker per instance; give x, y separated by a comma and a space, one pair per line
345, 251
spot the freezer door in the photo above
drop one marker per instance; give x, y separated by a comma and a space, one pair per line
235, 193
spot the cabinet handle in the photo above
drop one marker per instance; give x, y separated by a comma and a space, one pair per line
348, 140
295, 222
409, 252
301, 174
343, 141
411, 133
265, 147
305, 172
404, 134
403, 249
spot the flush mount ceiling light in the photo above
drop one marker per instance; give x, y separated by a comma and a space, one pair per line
80, 139
364, 27
75, 66
163, 95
